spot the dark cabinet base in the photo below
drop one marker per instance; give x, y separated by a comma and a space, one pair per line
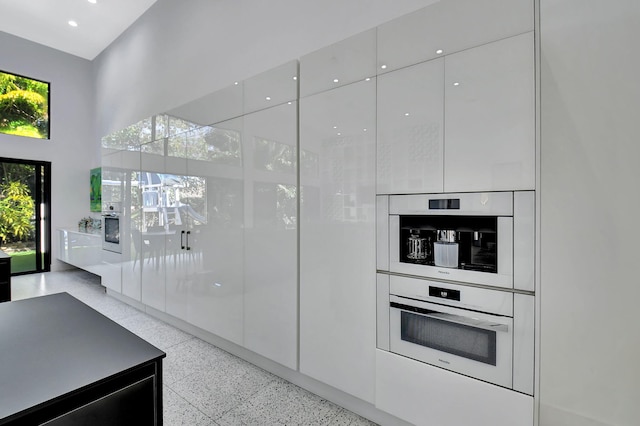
66, 364
132, 398
5, 277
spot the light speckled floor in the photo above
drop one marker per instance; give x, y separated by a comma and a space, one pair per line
203, 385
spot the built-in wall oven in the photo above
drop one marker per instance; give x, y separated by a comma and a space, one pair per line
455, 283
482, 333
111, 228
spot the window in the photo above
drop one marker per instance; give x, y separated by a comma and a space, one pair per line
24, 106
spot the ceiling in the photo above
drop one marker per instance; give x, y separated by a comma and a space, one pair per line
46, 22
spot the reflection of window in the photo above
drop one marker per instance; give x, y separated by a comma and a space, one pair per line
155, 147
226, 202
274, 156
172, 199
131, 137
274, 206
212, 144
221, 146
309, 163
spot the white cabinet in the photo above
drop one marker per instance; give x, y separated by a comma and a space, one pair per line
270, 234
221, 105
450, 26
270, 88
205, 282
465, 122
113, 191
337, 238
425, 395
110, 270
149, 262
490, 117
410, 129
341, 63
80, 249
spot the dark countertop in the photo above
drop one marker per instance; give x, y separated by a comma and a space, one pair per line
53, 345
3, 255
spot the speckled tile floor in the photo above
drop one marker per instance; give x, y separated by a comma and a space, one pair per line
203, 385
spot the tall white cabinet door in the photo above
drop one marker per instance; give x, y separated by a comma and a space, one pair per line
148, 262
270, 234
449, 26
410, 129
490, 117
337, 238
112, 188
214, 281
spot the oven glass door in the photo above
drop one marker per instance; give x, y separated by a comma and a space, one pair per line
460, 339
111, 233
471, 343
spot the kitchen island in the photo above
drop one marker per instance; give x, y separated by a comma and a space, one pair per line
63, 363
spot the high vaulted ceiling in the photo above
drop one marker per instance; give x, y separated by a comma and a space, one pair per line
99, 22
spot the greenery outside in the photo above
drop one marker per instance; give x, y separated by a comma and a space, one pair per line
23, 261
24, 106
17, 210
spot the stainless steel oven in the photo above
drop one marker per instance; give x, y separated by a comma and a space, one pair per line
482, 333
111, 227
477, 238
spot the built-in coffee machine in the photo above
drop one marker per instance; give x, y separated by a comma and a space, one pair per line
476, 238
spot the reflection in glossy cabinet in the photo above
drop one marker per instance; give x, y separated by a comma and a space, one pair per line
206, 285
270, 88
490, 117
270, 234
149, 262
341, 63
337, 238
449, 26
410, 129
111, 263
221, 105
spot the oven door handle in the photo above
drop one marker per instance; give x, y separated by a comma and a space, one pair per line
458, 319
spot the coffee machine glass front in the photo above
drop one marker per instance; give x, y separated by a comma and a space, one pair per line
460, 242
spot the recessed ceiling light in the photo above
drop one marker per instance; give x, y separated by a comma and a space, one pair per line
73, 23
295, 78
367, 79
439, 51
235, 82
364, 130
456, 84
335, 80
335, 127
384, 67
93, 1
406, 114
339, 134
268, 98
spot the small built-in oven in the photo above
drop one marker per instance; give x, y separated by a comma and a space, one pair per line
477, 238
111, 229
479, 332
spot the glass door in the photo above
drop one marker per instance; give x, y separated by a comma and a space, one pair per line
25, 230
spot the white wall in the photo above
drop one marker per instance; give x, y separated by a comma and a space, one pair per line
72, 147
181, 50
590, 189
